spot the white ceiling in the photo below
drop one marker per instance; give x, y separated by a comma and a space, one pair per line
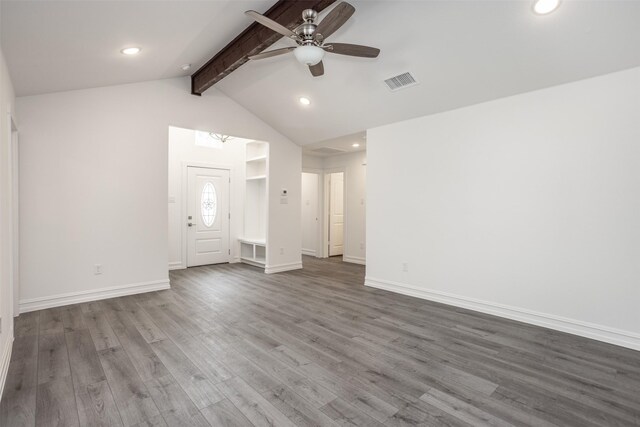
337, 146
462, 52
56, 45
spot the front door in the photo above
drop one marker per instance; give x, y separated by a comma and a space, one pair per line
207, 216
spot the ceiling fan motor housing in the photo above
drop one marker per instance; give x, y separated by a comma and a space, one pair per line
308, 28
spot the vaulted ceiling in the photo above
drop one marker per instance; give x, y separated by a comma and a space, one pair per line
461, 52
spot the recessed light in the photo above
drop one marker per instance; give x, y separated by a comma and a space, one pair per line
355, 145
543, 7
131, 51
185, 67
305, 101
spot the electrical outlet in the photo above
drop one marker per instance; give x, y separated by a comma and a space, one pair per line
281, 251
405, 267
97, 269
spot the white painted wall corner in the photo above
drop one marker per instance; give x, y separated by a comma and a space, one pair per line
270, 269
177, 265
354, 260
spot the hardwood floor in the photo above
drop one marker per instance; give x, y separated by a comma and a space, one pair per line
231, 346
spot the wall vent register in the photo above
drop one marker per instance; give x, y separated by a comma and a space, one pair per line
401, 81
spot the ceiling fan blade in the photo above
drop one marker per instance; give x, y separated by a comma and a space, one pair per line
335, 19
271, 53
269, 23
353, 50
317, 70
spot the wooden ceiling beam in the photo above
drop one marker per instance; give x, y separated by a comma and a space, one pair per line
254, 39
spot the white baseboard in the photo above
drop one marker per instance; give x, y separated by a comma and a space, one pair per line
176, 265
283, 267
576, 327
309, 252
354, 259
5, 359
42, 303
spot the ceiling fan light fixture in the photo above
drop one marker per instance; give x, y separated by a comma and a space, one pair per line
309, 55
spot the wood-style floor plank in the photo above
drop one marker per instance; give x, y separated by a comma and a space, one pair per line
101, 331
18, 408
255, 407
24, 365
51, 321
198, 387
228, 345
129, 392
96, 406
53, 358
83, 358
27, 324
225, 414
56, 404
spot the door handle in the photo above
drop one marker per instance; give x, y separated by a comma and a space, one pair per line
190, 224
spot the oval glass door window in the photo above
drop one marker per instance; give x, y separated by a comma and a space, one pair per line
209, 204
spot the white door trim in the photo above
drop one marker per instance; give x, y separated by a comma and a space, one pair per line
325, 207
184, 200
14, 194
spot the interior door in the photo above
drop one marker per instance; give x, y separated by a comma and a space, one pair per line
207, 216
309, 213
336, 214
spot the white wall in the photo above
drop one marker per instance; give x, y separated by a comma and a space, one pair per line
527, 207
182, 150
355, 194
94, 185
312, 162
7, 102
284, 244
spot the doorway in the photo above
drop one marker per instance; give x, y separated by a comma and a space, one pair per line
310, 214
335, 213
207, 216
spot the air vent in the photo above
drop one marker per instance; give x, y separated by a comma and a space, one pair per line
401, 81
328, 150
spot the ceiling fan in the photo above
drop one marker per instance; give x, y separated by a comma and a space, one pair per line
311, 37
